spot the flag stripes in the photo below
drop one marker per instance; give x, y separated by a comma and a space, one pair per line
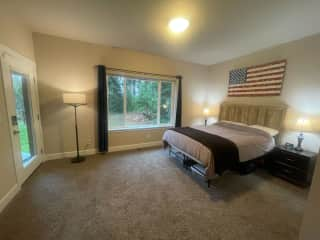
267, 66
261, 80
272, 87
260, 73
255, 84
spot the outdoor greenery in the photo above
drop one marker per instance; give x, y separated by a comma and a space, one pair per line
24, 140
17, 81
141, 101
142, 97
115, 87
165, 107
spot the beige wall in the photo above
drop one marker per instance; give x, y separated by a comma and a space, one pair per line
16, 36
67, 65
310, 229
301, 90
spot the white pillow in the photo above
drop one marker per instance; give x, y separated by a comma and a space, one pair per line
235, 123
271, 131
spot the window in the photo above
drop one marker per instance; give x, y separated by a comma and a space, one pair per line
140, 103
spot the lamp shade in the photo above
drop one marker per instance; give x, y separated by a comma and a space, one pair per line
74, 98
303, 124
206, 112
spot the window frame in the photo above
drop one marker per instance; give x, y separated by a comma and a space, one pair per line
174, 94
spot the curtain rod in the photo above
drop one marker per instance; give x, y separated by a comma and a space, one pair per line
143, 73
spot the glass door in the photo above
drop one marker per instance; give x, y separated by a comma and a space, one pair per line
23, 119
22, 104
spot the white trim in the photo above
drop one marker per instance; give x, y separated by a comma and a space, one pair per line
54, 156
174, 91
141, 75
135, 146
8, 51
10, 60
151, 127
8, 197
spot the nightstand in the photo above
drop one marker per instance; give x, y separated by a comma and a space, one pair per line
296, 167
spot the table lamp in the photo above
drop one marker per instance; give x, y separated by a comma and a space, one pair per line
206, 113
302, 123
75, 100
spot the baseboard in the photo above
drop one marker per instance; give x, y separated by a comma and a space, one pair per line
135, 146
9, 196
54, 156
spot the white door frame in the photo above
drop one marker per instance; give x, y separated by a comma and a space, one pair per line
12, 61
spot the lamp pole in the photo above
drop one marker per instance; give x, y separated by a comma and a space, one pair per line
76, 127
78, 158
75, 100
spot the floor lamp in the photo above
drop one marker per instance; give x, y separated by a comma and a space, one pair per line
75, 100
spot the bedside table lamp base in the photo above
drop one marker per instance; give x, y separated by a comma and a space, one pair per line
300, 139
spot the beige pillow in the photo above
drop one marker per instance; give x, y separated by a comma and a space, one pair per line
271, 131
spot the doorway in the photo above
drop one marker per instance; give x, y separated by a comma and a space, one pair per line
22, 105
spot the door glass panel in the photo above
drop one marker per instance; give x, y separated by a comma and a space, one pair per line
24, 116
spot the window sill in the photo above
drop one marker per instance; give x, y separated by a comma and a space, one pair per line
140, 128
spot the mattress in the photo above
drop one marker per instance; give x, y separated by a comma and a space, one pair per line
251, 143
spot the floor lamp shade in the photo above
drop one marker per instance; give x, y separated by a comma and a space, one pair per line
74, 98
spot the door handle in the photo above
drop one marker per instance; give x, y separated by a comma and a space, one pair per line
14, 120
16, 131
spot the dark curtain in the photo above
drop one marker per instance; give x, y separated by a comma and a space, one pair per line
179, 103
102, 109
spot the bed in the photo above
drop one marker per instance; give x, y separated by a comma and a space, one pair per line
210, 148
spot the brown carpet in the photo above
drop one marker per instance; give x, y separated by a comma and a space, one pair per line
145, 195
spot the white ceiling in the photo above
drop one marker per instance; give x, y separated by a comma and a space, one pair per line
219, 29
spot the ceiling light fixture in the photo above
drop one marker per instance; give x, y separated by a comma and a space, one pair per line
178, 25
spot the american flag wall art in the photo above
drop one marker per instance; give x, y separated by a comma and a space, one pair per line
261, 80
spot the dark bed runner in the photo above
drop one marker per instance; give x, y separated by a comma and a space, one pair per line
225, 152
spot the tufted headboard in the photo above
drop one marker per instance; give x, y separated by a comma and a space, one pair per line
266, 115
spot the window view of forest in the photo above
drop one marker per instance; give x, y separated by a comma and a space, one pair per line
136, 103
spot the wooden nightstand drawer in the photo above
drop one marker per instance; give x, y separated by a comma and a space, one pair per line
299, 162
289, 173
296, 167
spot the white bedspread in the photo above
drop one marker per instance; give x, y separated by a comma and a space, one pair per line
251, 143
